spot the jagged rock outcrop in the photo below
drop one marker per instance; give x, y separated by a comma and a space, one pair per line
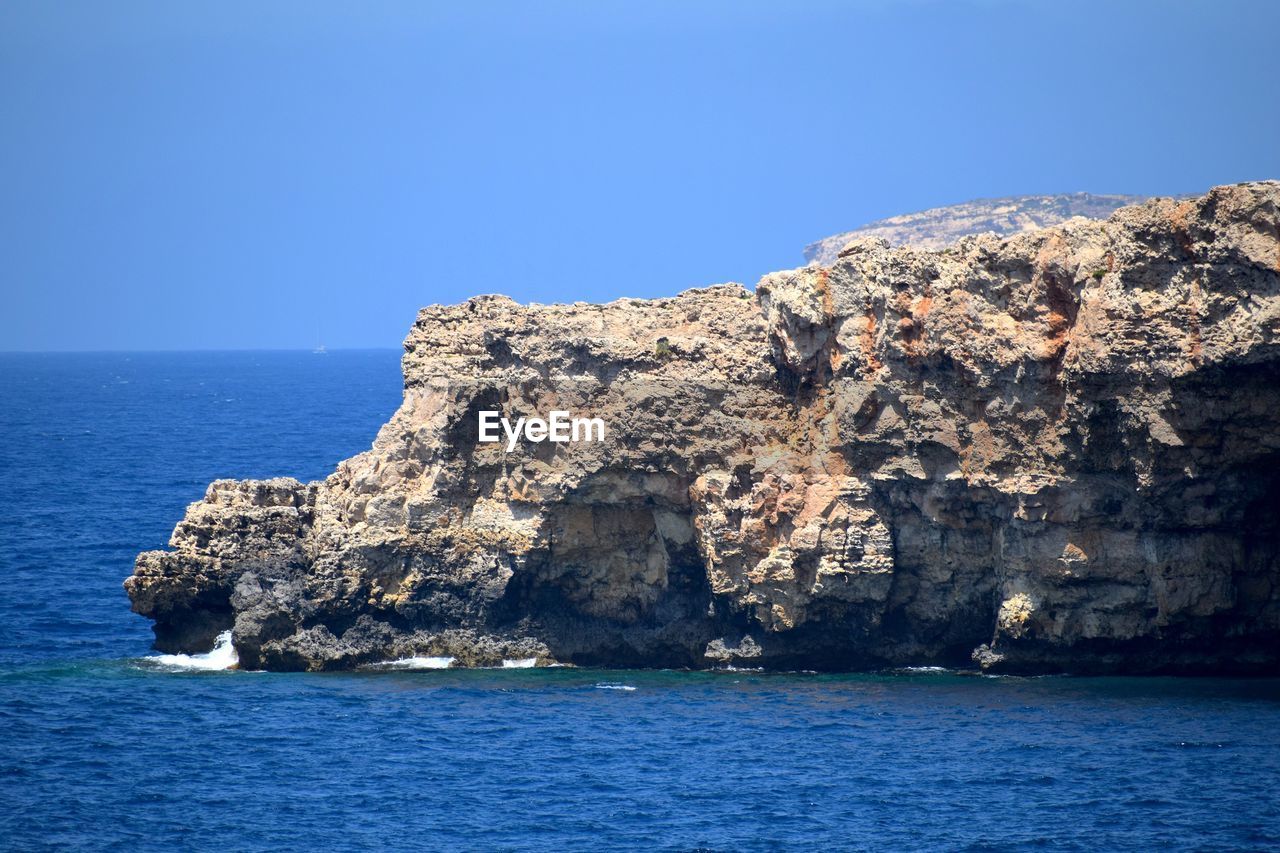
1055, 451
939, 227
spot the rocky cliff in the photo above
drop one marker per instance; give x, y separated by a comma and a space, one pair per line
1054, 451
939, 227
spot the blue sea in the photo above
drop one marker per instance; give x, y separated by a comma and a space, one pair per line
105, 746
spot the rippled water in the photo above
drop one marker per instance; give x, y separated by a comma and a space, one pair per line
105, 745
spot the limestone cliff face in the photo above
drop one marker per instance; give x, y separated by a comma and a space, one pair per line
1056, 451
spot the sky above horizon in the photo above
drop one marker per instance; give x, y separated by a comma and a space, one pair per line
228, 176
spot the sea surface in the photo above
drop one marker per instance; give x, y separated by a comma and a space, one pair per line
106, 745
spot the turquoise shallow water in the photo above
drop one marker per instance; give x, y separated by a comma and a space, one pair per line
104, 748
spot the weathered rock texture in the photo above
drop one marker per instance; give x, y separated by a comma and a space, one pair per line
1056, 451
939, 227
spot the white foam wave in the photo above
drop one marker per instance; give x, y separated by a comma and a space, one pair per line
419, 663
221, 656
519, 663
605, 685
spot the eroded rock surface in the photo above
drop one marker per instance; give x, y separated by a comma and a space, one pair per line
1055, 451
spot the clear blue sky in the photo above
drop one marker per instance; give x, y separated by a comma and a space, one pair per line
233, 174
